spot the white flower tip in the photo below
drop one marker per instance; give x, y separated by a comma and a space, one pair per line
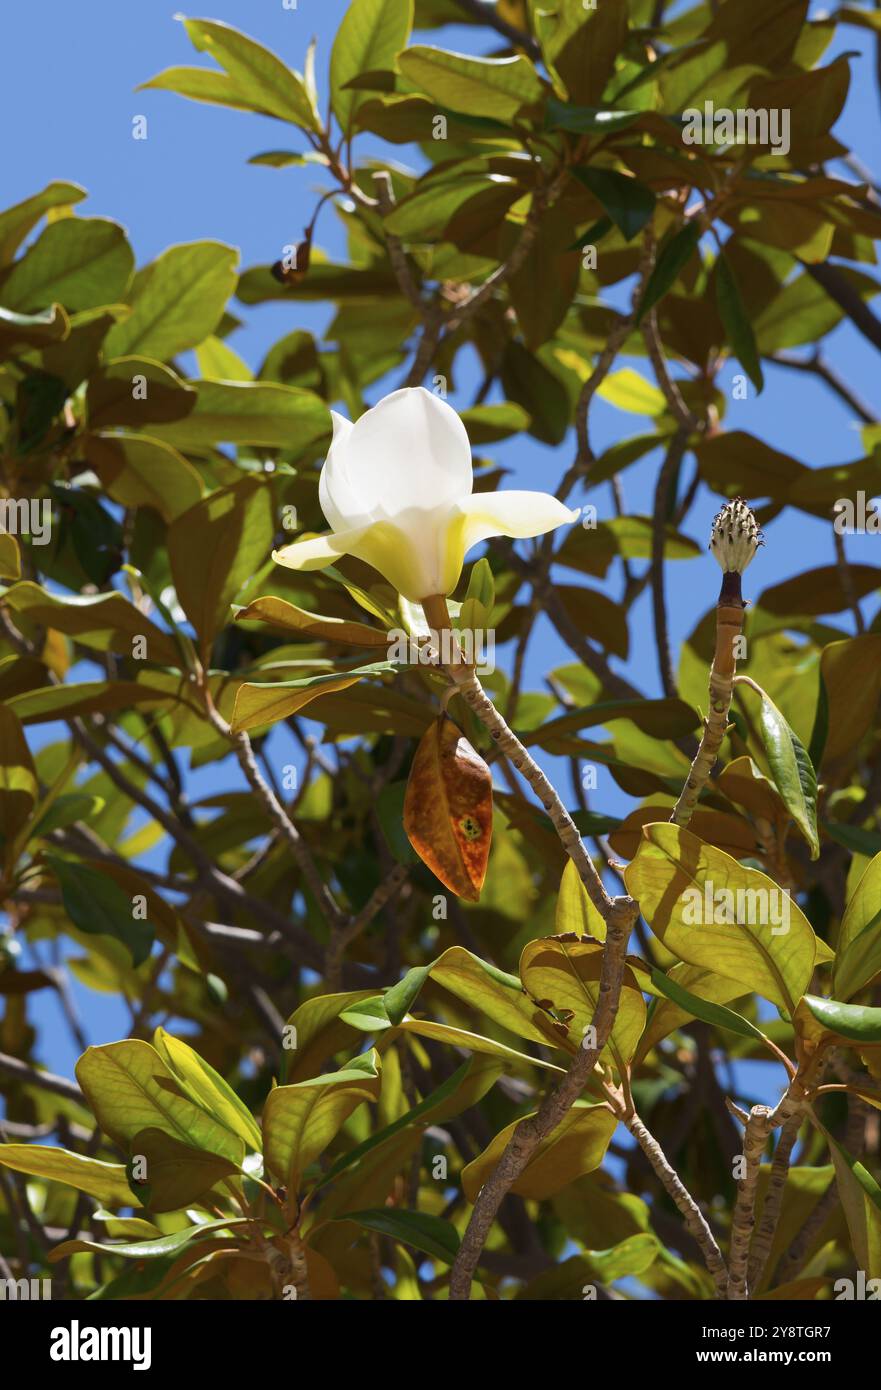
735, 536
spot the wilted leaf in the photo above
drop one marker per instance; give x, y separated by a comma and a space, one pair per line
448, 809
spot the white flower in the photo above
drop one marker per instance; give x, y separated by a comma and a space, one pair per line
396, 490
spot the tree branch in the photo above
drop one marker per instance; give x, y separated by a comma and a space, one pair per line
488, 14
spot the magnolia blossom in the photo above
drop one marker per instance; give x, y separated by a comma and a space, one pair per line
396, 491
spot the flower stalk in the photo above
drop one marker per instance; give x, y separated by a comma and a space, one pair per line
734, 541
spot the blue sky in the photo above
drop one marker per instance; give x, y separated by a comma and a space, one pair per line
67, 90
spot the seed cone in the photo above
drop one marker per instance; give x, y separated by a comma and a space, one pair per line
735, 537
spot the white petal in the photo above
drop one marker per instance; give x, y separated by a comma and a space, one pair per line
516, 514
319, 552
410, 450
419, 555
340, 505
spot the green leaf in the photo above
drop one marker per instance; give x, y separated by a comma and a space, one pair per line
79, 262
267, 414
136, 391
52, 702
820, 731
257, 705
103, 621
218, 361
575, 911
627, 201
565, 976
17, 221
138, 471
207, 1087
792, 771
204, 84
736, 322
674, 257
130, 1089
704, 1009
277, 612
151, 1249
300, 1121
492, 992
32, 330
177, 1174
664, 1016
858, 957
861, 1200
679, 882
370, 37
67, 810
431, 1234
176, 301
477, 606
576, 1146
107, 1182
585, 120
852, 1021
99, 907
19, 786
436, 1097
475, 1042
495, 87
487, 424
215, 547
260, 79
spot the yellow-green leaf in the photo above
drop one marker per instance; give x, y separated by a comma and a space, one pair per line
129, 1089
576, 1146
699, 902
287, 616
105, 1181
300, 1121
565, 976
207, 1087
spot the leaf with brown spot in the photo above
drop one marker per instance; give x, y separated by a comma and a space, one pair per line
448, 809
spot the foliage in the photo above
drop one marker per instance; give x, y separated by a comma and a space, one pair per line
372, 870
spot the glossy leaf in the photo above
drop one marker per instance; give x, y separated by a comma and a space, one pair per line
792, 770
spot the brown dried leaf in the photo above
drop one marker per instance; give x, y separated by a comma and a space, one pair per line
448, 809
